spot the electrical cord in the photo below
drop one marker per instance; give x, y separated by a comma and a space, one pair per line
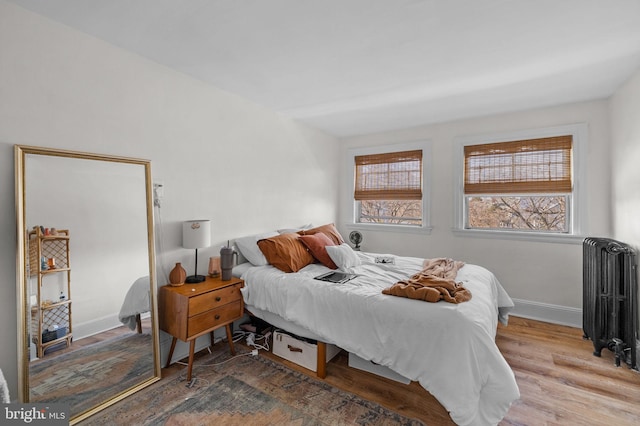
227, 360
195, 379
159, 231
217, 363
239, 335
252, 339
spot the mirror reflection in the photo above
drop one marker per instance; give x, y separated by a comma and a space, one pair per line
89, 324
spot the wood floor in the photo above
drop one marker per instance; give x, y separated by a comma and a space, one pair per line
561, 382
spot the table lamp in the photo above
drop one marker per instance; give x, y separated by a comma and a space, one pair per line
196, 234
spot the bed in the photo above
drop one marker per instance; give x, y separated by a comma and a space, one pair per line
448, 348
136, 302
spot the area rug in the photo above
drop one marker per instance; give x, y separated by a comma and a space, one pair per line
245, 390
83, 377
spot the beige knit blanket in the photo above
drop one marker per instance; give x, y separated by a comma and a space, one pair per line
435, 282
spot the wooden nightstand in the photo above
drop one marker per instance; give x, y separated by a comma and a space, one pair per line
192, 310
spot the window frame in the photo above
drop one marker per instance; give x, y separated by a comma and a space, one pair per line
576, 208
423, 145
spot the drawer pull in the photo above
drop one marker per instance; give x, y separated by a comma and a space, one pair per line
218, 298
217, 316
294, 349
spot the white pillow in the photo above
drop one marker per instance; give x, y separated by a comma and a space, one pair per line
343, 256
292, 230
248, 246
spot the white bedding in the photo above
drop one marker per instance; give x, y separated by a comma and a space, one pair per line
448, 348
135, 302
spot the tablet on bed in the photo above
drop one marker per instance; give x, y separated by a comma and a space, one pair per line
336, 277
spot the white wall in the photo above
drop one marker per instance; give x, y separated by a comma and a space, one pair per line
625, 161
219, 156
545, 277
625, 157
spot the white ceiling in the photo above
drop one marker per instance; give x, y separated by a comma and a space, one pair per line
351, 67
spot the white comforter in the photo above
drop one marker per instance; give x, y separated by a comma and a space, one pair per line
448, 348
135, 302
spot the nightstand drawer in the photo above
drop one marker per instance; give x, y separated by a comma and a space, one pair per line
214, 317
213, 299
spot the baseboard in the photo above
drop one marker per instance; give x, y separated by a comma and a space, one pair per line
555, 314
100, 325
95, 326
181, 350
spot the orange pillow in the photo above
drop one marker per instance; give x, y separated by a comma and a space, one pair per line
329, 229
317, 245
286, 252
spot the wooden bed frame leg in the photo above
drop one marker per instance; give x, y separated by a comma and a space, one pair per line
138, 324
322, 360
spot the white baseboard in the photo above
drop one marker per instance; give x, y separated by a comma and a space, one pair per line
555, 314
95, 326
181, 350
99, 325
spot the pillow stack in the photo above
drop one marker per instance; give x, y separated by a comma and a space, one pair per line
317, 245
285, 252
292, 251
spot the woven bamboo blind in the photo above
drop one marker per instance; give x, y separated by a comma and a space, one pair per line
389, 176
526, 166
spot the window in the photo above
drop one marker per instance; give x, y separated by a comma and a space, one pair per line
520, 185
523, 185
388, 186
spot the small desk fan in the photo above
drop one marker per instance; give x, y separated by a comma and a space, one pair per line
356, 238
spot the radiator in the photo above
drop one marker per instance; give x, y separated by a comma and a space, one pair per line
610, 299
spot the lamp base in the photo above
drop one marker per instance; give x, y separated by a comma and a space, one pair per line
193, 279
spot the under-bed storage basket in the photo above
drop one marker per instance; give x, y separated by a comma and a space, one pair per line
303, 352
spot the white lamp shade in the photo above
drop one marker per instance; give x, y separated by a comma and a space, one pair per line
196, 234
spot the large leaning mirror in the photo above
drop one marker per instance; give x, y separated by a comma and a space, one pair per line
88, 333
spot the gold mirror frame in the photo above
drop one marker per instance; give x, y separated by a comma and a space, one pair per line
22, 281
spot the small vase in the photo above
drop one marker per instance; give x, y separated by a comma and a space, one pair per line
177, 275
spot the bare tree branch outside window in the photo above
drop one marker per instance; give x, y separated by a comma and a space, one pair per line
399, 212
536, 213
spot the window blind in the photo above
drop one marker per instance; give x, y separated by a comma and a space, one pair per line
526, 166
389, 176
